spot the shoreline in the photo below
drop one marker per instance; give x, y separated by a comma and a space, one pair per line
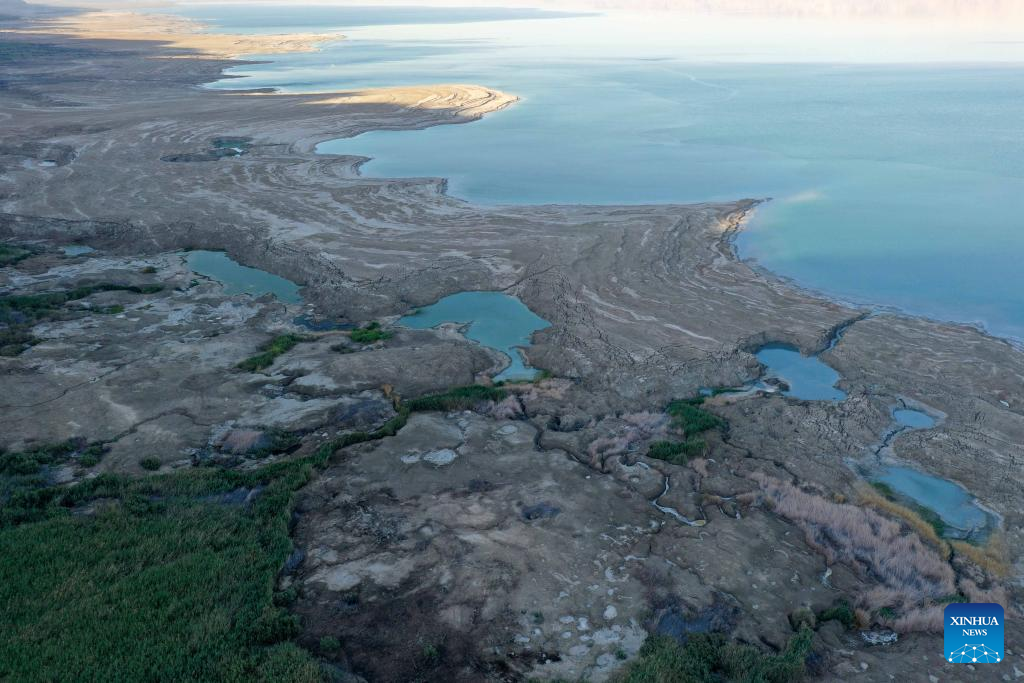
647, 303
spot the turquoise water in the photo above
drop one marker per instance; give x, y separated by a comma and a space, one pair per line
893, 159
952, 503
808, 377
239, 279
76, 250
495, 320
914, 419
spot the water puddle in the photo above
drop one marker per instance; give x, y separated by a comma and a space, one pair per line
913, 419
76, 250
495, 320
239, 279
799, 376
957, 508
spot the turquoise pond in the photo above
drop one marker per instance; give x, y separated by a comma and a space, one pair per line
239, 279
495, 320
915, 419
808, 377
893, 156
955, 506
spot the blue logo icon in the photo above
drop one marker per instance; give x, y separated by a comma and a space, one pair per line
973, 633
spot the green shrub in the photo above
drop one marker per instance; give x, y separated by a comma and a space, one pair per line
678, 452
841, 612
270, 351
152, 464
688, 416
459, 398
329, 644
11, 254
709, 657
160, 583
47, 304
370, 333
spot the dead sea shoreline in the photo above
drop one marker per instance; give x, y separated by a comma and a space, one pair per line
647, 303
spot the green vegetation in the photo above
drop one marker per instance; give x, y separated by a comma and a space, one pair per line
688, 415
16, 339
151, 464
33, 460
162, 580
370, 333
952, 597
676, 452
148, 270
887, 613
841, 612
11, 254
459, 398
163, 577
19, 312
46, 304
329, 644
884, 489
269, 353
707, 657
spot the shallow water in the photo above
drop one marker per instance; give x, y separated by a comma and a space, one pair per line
496, 320
892, 152
914, 419
949, 501
239, 279
76, 250
809, 378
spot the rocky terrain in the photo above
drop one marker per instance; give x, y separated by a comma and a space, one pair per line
523, 535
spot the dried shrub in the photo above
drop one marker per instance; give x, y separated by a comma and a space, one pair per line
862, 538
923, 528
991, 557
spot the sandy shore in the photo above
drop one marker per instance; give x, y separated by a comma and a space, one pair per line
188, 38
646, 303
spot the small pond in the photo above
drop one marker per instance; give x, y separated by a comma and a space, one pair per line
807, 377
76, 250
914, 419
954, 505
496, 320
239, 279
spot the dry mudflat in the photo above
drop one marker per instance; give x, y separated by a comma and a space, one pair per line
531, 536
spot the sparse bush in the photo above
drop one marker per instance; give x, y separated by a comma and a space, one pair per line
370, 333
12, 253
841, 612
148, 270
712, 657
802, 618
150, 463
329, 644
277, 346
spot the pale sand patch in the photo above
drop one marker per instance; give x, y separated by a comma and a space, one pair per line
176, 32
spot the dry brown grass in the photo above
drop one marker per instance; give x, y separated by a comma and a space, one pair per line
864, 539
869, 496
991, 557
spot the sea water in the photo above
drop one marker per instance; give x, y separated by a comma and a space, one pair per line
891, 151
